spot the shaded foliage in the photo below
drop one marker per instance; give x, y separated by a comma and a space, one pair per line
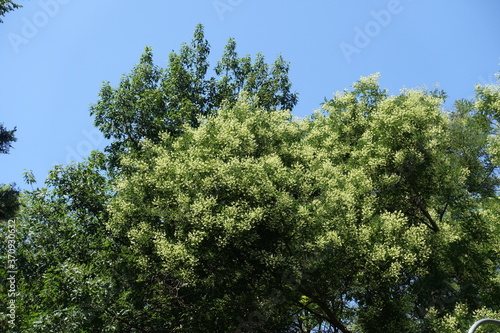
9, 202
6, 139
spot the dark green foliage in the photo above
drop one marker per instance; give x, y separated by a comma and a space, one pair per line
6, 138
7, 6
9, 201
152, 100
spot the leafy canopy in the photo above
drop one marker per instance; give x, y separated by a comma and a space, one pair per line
214, 210
364, 217
152, 100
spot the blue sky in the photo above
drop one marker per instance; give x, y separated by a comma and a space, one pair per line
54, 55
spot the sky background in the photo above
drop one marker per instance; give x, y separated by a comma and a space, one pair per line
55, 54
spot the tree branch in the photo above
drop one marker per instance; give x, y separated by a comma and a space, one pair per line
327, 315
432, 224
443, 212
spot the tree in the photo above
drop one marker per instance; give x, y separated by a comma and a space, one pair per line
73, 275
65, 221
7, 6
6, 138
426, 167
375, 215
151, 100
8, 193
9, 201
214, 210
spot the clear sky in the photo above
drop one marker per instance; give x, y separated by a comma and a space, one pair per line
54, 55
